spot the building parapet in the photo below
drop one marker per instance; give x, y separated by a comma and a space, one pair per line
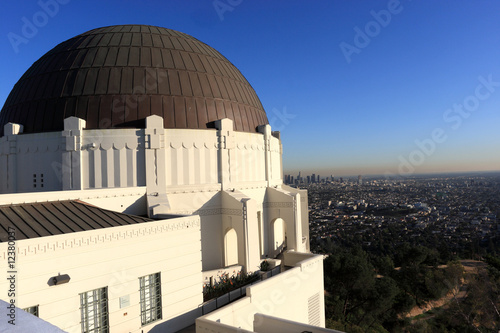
269, 324
300, 287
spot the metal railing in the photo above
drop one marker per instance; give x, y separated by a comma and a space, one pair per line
236, 294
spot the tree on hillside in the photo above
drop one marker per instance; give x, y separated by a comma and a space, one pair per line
476, 309
357, 297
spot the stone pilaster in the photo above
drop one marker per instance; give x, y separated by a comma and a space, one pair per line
156, 183
266, 130
225, 135
11, 131
72, 153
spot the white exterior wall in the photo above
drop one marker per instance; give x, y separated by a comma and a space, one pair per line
222, 211
114, 258
191, 157
76, 158
269, 324
290, 205
276, 167
113, 158
248, 158
257, 221
38, 154
295, 295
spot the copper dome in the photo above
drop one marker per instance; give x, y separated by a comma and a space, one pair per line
117, 76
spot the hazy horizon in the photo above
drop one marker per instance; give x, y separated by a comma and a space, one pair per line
305, 173
364, 87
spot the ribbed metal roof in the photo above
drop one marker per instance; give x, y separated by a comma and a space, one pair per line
33, 220
116, 76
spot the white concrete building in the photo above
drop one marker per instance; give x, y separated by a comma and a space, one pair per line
136, 164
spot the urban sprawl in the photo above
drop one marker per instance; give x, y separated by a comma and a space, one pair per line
457, 210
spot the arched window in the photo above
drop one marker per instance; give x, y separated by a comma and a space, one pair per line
278, 235
230, 248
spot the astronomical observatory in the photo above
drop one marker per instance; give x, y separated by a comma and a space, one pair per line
137, 165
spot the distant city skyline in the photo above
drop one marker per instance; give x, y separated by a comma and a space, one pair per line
354, 172
365, 176
366, 87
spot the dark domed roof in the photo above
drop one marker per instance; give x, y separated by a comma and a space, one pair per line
117, 76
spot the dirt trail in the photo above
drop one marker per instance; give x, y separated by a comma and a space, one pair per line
471, 267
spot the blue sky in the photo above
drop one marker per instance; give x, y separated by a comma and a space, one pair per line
355, 87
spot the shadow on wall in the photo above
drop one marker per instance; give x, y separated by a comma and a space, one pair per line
211, 229
177, 323
139, 207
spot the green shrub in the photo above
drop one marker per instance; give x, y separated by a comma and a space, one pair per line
226, 284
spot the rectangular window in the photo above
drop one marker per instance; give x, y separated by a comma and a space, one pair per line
150, 290
94, 311
33, 310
